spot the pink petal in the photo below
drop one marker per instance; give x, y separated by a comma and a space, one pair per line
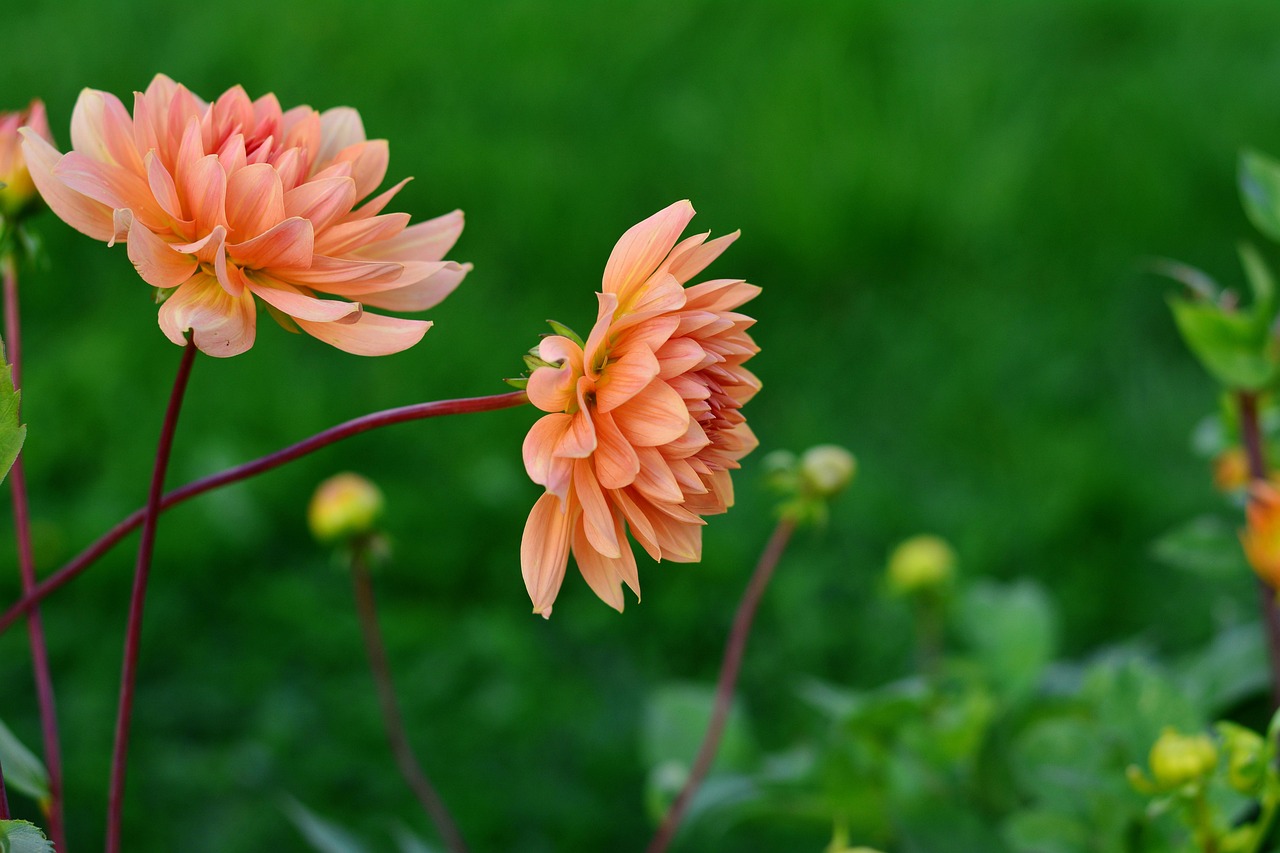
643, 247
623, 379
679, 356
540, 444
579, 440
426, 241
342, 237
551, 388
372, 334
83, 214
616, 461
255, 201
165, 192
374, 206
285, 247
102, 182
340, 127
223, 325
348, 278
544, 552
608, 306
653, 417
298, 305
159, 263
597, 516
321, 201
206, 189
688, 264
102, 130
720, 295
424, 294
369, 162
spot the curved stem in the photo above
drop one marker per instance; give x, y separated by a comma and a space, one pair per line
1251, 436
418, 411
27, 569
401, 749
133, 633
728, 679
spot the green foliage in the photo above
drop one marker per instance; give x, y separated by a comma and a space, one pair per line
23, 771
19, 836
323, 835
1260, 191
12, 433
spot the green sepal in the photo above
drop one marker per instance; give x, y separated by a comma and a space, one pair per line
519, 384
1260, 191
1235, 346
20, 836
23, 772
286, 322
564, 331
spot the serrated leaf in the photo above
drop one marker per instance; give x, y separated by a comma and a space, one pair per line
1260, 191
12, 434
323, 835
19, 836
1235, 347
23, 772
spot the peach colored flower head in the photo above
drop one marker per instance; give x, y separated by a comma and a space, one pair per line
645, 417
18, 190
1261, 536
223, 204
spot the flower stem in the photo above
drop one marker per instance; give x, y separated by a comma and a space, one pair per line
27, 569
4, 798
417, 411
133, 633
401, 749
1251, 435
729, 667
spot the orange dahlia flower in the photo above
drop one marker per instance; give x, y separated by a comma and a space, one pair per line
17, 190
645, 421
227, 203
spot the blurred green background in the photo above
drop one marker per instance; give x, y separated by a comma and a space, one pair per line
948, 205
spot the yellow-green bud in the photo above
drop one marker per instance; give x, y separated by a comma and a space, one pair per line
345, 506
1177, 759
827, 469
1246, 762
921, 563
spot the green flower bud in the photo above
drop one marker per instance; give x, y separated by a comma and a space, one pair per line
921, 563
827, 469
1177, 759
345, 506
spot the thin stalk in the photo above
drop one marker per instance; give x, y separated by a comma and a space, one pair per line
4, 798
27, 569
1251, 435
401, 749
388, 417
729, 667
133, 633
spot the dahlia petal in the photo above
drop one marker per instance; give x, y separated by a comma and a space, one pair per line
679, 356
102, 182
424, 294
600, 572
654, 416
343, 237
374, 206
371, 334
321, 201
597, 516
369, 161
544, 552
654, 479
340, 127
643, 246
540, 444
89, 217
616, 461
232, 155
623, 379
255, 200
426, 241
206, 186
158, 262
102, 129
558, 348
165, 192
680, 543
607, 307
183, 125
298, 305
190, 152
579, 441
650, 334
551, 388
222, 325
720, 295
286, 246
639, 524
347, 277
699, 257
686, 476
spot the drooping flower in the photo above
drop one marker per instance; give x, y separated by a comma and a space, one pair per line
226, 203
18, 191
645, 418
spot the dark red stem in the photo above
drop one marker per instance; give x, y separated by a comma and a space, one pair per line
418, 411
1251, 436
4, 798
729, 667
27, 569
401, 749
133, 632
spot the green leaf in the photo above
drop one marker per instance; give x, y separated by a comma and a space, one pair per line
19, 836
1260, 282
1231, 668
23, 772
323, 835
1260, 191
1012, 631
1234, 346
12, 434
1206, 545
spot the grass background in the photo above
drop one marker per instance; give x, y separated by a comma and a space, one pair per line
948, 205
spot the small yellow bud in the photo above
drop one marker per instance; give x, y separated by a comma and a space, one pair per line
17, 191
827, 469
1177, 759
921, 563
345, 506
